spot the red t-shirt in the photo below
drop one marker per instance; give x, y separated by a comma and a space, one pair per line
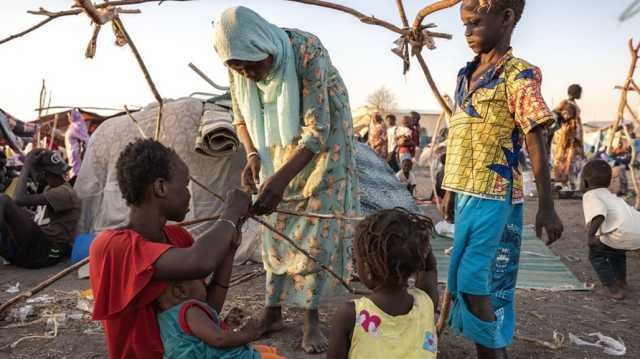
121, 269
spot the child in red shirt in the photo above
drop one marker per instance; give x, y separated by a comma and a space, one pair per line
130, 267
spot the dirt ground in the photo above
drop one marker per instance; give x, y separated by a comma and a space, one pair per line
540, 313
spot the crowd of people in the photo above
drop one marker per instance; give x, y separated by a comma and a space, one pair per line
159, 293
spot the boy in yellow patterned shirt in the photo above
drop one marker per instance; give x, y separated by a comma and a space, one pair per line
498, 108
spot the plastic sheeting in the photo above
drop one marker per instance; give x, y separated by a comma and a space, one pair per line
97, 186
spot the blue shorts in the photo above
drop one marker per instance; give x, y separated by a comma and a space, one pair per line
484, 262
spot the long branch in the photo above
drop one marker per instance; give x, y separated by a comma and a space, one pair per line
403, 14
52, 15
362, 17
428, 10
432, 84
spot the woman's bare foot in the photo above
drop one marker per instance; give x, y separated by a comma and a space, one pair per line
271, 320
616, 293
313, 340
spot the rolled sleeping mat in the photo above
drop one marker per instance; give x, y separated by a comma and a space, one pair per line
216, 134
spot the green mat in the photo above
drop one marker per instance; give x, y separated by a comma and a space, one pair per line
539, 267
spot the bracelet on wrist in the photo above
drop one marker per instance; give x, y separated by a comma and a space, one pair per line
253, 154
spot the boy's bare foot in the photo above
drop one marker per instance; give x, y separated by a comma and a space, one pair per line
313, 340
622, 284
271, 320
616, 293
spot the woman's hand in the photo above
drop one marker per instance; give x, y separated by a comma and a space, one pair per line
251, 174
270, 194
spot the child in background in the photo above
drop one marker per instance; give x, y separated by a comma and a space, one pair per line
404, 137
395, 321
405, 176
612, 225
190, 327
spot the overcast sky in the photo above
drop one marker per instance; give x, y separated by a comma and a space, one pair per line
573, 41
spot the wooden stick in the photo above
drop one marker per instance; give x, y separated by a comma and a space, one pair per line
430, 9
198, 221
283, 236
53, 132
43, 94
74, 267
147, 77
135, 122
43, 285
81, 107
628, 88
634, 155
206, 78
445, 309
432, 84
54, 15
623, 95
403, 14
431, 155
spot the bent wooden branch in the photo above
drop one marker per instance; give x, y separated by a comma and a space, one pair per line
430, 9
52, 16
145, 71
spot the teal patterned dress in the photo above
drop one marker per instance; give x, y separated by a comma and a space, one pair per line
326, 185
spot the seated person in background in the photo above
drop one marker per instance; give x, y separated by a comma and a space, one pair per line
405, 176
132, 266
190, 327
44, 238
619, 184
395, 321
612, 225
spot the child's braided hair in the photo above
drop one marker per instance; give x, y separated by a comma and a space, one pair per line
393, 244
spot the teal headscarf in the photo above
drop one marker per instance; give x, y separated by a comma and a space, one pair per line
271, 107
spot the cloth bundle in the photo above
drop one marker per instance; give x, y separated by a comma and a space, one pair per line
216, 134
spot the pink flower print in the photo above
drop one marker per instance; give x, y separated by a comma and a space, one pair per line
370, 323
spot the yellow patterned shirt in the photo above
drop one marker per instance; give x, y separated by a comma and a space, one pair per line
487, 129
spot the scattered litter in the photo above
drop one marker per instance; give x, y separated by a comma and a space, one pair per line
445, 228
448, 251
87, 294
536, 254
610, 345
85, 305
93, 331
43, 299
83, 272
13, 288
572, 259
21, 314
58, 319
558, 340
48, 335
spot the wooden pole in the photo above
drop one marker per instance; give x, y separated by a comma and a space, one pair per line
634, 154
624, 93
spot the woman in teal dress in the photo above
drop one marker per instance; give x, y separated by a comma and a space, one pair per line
292, 115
